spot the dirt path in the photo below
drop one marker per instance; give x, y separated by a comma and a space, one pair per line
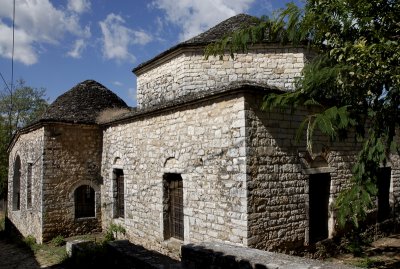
14, 257
383, 253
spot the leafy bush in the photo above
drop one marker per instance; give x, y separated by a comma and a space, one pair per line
58, 241
30, 242
112, 232
355, 242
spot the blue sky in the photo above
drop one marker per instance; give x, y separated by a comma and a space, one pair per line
63, 42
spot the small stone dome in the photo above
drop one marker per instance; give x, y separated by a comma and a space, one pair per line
82, 103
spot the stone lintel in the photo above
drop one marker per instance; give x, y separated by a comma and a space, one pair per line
318, 170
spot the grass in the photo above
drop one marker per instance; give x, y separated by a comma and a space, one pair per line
58, 241
367, 262
47, 254
54, 252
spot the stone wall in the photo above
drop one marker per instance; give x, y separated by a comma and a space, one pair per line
72, 158
279, 169
29, 148
245, 178
204, 142
187, 72
394, 162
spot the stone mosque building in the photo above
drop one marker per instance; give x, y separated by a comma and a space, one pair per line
197, 160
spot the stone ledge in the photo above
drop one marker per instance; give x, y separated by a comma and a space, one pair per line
128, 255
221, 256
76, 246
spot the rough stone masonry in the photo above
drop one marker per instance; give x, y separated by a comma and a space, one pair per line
196, 161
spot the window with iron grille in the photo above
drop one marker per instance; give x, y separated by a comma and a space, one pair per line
173, 206
119, 193
29, 186
84, 202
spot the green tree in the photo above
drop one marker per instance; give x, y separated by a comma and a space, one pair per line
18, 108
354, 79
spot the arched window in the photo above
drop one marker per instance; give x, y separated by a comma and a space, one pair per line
17, 184
84, 202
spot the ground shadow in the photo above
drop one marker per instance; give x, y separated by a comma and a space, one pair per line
15, 254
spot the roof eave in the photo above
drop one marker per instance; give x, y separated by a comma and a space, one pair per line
23, 130
190, 100
160, 58
38, 124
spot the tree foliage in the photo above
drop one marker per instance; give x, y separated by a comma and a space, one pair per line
17, 109
354, 78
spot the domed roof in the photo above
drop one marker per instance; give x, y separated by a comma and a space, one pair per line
82, 103
223, 28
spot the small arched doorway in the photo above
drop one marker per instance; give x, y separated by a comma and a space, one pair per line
84, 198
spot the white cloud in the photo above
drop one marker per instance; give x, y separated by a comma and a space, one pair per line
23, 51
78, 48
141, 37
117, 38
79, 6
37, 23
197, 16
160, 25
118, 83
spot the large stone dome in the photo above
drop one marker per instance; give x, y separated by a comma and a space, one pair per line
82, 103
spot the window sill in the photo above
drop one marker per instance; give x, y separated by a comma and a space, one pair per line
85, 218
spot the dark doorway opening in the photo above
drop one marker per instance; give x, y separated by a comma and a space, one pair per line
84, 202
173, 206
319, 191
383, 193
